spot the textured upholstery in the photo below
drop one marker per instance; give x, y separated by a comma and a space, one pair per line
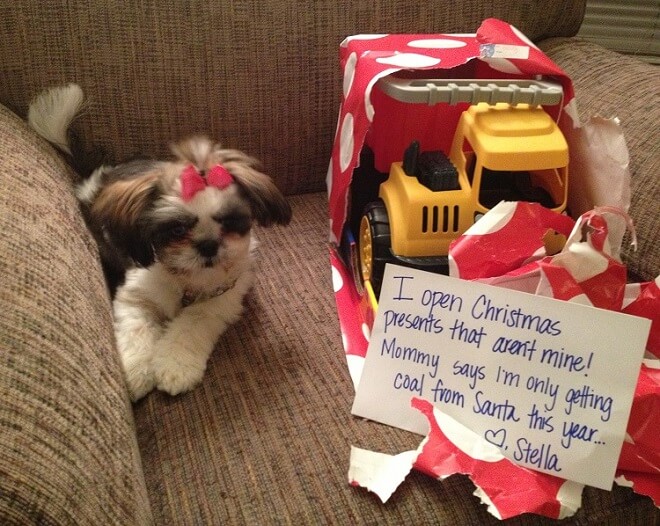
265, 438
68, 452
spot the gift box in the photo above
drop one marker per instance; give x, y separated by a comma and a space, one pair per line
521, 246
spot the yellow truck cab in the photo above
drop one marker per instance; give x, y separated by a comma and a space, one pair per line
512, 151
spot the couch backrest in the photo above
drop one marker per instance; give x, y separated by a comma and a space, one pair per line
262, 76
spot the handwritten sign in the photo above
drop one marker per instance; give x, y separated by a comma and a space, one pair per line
549, 382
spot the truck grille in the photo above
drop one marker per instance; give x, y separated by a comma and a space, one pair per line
439, 219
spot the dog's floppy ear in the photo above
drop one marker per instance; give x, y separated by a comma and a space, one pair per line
268, 204
120, 207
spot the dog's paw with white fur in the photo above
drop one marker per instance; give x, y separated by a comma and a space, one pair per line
138, 373
176, 368
136, 332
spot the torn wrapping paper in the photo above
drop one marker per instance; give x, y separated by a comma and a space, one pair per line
451, 448
639, 463
588, 270
641, 299
380, 473
497, 50
355, 329
598, 176
487, 251
604, 174
518, 369
584, 271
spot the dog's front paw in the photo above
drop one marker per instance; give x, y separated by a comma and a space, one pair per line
137, 373
139, 386
177, 372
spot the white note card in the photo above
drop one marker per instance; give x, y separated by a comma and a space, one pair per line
549, 382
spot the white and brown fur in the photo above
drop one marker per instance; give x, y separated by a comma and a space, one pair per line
188, 264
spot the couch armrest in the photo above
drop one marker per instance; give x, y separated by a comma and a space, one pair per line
613, 85
68, 452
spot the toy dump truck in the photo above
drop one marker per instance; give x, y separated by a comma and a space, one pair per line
505, 147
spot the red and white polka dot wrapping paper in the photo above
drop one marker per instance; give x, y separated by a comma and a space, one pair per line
367, 58
586, 271
505, 250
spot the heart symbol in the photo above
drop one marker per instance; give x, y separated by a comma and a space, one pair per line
496, 438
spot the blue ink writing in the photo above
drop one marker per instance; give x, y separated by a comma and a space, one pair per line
409, 383
411, 354
405, 320
571, 430
462, 332
401, 297
587, 398
541, 457
474, 372
484, 309
507, 378
564, 360
503, 411
526, 348
539, 421
544, 386
437, 298
447, 395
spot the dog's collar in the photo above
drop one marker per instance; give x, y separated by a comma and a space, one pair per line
189, 297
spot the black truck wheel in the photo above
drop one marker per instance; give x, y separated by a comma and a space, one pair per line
374, 244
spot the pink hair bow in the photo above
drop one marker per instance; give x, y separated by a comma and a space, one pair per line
192, 181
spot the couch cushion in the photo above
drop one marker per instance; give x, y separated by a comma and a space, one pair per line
265, 439
613, 85
68, 453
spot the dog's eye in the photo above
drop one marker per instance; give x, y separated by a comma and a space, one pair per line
238, 223
172, 230
178, 230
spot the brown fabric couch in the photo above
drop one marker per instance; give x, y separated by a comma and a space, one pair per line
265, 439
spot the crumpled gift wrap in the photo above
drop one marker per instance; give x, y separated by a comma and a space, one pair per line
509, 251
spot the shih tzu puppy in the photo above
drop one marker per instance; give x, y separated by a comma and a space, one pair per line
181, 230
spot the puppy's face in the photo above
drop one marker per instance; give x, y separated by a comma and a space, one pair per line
182, 213
211, 228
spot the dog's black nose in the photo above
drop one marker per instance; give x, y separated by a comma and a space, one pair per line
207, 248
